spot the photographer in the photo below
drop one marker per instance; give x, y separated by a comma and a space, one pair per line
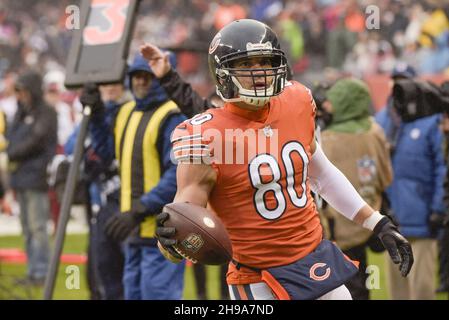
356, 145
411, 122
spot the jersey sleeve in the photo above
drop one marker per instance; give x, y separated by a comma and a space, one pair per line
311, 102
307, 107
190, 145
312, 111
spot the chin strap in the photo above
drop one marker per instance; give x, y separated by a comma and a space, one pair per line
247, 97
254, 101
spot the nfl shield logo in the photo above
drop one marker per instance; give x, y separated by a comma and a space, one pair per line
267, 131
193, 242
366, 167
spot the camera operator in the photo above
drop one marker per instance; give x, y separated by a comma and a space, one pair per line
323, 113
411, 121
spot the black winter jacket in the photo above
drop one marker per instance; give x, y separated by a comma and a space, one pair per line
32, 140
188, 100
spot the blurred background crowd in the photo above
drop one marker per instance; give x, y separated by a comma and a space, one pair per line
324, 40
333, 32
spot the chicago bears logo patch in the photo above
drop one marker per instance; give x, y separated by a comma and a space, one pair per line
318, 271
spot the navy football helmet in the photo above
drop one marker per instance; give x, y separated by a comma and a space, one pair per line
244, 39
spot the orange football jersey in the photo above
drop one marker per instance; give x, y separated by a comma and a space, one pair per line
262, 193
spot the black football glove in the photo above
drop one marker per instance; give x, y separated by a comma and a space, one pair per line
397, 246
90, 96
165, 234
121, 225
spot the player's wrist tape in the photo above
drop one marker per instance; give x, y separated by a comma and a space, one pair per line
372, 220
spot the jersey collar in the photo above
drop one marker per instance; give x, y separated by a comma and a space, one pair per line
260, 115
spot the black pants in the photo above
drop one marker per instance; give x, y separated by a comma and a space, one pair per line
357, 284
443, 256
108, 255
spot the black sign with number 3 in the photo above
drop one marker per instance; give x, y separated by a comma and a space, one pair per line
100, 46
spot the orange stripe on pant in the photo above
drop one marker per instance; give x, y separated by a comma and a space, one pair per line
242, 292
275, 286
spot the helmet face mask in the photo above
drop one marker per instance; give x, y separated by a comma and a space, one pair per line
233, 56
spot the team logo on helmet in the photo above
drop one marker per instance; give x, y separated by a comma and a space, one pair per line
215, 43
193, 242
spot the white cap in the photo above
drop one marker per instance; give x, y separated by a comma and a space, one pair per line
54, 78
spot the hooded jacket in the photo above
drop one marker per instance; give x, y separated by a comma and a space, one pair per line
350, 101
156, 95
357, 146
103, 142
32, 138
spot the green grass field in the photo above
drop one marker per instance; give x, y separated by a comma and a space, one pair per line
77, 244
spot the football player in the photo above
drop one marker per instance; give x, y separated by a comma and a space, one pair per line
264, 196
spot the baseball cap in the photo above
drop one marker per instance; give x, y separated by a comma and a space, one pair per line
403, 70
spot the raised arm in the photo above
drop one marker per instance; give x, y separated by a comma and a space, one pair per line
182, 93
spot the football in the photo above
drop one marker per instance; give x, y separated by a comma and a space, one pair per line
200, 234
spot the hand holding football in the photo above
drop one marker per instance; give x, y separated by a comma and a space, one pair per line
200, 234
